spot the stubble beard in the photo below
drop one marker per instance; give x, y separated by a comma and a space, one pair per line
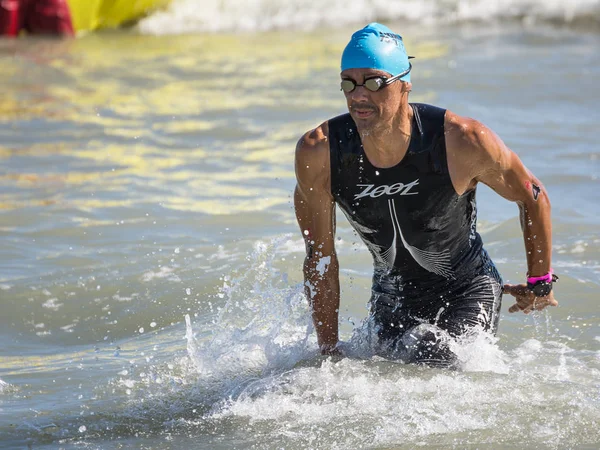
367, 127
374, 126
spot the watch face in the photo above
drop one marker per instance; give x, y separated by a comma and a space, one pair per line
541, 289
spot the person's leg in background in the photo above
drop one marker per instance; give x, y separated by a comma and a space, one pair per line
50, 17
12, 17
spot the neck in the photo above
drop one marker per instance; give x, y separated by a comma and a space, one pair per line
387, 143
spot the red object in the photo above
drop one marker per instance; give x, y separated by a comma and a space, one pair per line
35, 17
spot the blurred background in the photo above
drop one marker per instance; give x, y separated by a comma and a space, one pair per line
146, 173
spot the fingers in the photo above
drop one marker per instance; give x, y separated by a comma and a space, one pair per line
526, 300
528, 305
522, 296
526, 308
516, 289
514, 308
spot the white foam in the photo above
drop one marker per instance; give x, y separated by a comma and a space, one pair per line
186, 16
291, 246
478, 352
349, 390
254, 363
387, 402
52, 304
120, 298
163, 273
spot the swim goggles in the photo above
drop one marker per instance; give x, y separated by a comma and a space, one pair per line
372, 84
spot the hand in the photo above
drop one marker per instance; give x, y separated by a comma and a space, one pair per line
526, 300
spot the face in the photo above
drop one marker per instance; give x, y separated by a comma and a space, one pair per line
373, 111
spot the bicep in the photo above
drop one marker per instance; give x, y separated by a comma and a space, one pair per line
314, 204
508, 177
504, 172
315, 212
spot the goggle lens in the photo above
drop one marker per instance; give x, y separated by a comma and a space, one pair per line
372, 84
375, 83
347, 86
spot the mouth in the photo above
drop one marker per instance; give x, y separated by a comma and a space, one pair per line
363, 113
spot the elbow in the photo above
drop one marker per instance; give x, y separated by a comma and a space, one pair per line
535, 205
541, 202
545, 200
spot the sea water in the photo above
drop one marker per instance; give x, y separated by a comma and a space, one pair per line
150, 263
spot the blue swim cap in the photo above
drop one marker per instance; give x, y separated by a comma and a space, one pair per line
376, 47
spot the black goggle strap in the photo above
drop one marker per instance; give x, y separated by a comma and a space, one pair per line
387, 81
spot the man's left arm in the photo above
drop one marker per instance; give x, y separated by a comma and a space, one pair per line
494, 164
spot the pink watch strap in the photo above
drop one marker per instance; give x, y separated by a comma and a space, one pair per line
546, 278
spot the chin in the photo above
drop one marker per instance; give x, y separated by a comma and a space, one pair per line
366, 126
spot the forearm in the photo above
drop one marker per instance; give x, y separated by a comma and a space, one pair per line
322, 287
537, 234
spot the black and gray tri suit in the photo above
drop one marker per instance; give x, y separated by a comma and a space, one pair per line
429, 261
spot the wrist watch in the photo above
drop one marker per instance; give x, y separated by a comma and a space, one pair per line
542, 286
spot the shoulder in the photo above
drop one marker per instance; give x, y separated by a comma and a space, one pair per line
312, 156
475, 153
469, 140
465, 131
314, 140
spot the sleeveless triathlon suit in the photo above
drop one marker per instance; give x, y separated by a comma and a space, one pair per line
429, 263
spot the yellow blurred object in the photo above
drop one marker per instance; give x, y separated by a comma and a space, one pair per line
89, 15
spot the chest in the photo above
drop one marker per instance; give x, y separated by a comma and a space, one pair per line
414, 191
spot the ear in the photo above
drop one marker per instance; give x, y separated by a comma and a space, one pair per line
406, 86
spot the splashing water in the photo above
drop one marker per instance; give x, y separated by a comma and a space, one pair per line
263, 326
4, 386
252, 371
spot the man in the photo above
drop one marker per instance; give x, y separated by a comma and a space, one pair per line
405, 177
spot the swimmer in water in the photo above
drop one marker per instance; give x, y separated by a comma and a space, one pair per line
405, 176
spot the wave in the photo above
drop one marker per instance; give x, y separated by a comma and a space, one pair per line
189, 16
4, 386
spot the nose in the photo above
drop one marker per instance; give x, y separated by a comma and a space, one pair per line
359, 94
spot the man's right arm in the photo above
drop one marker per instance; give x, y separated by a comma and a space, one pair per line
315, 211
